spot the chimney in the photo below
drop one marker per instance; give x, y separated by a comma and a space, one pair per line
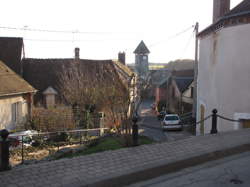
77, 53
221, 7
122, 57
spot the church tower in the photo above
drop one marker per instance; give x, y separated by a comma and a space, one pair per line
141, 59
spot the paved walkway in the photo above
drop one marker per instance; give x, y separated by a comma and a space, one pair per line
128, 165
232, 171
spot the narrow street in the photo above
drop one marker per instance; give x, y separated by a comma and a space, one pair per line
150, 126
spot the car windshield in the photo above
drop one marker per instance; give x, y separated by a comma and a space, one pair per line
171, 118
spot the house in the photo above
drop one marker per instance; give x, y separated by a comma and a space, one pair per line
160, 77
16, 97
175, 92
224, 68
161, 85
47, 76
179, 97
44, 74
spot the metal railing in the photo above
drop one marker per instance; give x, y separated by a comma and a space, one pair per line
23, 146
215, 116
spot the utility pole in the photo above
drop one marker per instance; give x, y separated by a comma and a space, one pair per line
196, 30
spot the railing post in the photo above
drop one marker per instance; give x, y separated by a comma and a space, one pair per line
4, 150
135, 131
80, 137
214, 122
22, 151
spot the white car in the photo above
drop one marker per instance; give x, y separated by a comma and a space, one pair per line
171, 122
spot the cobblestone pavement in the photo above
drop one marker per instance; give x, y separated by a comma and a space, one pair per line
124, 166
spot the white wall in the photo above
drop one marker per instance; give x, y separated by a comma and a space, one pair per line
186, 97
224, 75
6, 112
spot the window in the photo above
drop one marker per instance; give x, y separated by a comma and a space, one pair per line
171, 118
16, 111
192, 92
144, 57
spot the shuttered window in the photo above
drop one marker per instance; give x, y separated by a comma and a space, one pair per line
16, 111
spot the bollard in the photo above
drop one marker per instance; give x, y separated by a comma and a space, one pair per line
4, 150
135, 131
214, 122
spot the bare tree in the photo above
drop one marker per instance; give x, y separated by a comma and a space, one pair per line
98, 86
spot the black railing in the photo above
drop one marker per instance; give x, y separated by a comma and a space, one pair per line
215, 116
24, 145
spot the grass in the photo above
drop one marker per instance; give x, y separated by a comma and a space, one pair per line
145, 140
108, 143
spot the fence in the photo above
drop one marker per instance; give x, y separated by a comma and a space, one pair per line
34, 147
214, 117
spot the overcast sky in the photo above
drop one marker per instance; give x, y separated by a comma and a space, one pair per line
102, 28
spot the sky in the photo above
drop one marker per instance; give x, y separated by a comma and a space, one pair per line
102, 28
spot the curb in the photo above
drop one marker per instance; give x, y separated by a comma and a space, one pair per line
157, 171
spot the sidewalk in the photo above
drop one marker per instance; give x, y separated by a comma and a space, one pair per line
129, 165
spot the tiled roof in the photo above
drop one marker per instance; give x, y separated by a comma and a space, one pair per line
11, 83
141, 49
42, 73
240, 11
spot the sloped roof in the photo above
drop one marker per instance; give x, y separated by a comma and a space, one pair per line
50, 90
179, 74
240, 11
183, 73
11, 51
141, 49
183, 82
42, 73
125, 74
243, 7
157, 76
11, 83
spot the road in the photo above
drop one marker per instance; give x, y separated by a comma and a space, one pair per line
227, 172
150, 126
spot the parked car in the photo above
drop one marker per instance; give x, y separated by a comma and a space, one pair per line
161, 115
171, 122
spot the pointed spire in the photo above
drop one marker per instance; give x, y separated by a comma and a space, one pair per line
141, 49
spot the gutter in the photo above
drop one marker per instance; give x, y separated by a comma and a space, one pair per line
219, 24
18, 93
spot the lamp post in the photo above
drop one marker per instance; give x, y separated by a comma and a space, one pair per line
135, 131
4, 150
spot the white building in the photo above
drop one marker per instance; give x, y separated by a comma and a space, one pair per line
15, 99
224, 67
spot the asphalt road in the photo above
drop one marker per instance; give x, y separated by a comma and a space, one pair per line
150, 126
227, 172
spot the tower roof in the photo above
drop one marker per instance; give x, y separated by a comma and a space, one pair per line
141, 49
